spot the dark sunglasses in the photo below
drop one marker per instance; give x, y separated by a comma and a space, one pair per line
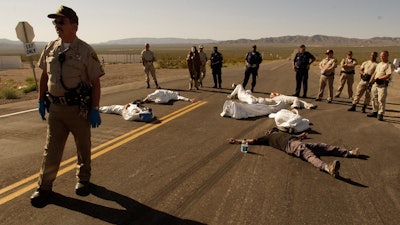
59, 22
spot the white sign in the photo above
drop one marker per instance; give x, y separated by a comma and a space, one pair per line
25, 32
30, 49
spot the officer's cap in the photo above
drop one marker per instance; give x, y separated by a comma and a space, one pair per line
64, 11
302, 46
329, 51
201, 46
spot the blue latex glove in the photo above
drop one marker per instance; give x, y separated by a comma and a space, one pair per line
94, 117
42, 109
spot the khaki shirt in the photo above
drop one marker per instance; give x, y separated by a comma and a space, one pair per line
350, 64
369, 67
327, 63
203, 58
81, 65
383, 69
147, 56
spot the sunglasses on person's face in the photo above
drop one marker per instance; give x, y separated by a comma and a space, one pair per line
59, 22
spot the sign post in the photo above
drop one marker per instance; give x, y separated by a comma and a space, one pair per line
25, 34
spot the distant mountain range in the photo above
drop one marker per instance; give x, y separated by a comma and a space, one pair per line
315, 40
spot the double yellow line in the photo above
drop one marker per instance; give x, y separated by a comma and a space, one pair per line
69, 164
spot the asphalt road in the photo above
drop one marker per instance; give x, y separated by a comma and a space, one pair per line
180, 170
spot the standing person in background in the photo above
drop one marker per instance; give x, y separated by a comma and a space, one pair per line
327, 67
148, 59
367, 68
380, 80
71, 82
203, 62
216, 60
301, 64
347, 72
193, 62
253, 60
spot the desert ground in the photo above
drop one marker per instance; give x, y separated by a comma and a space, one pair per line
116, 74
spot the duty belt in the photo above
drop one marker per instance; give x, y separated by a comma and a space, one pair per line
60, 100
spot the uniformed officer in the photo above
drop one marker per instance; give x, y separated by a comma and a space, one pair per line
380, 80
203, 62
148, 59
327, 67
367, 68
253, 60
347, 72
216, 60
301, 65
70, 77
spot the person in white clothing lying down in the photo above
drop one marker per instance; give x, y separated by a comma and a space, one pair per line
294, 101
131, 111
162, 96
246, 96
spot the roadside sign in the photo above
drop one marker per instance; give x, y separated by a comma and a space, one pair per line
25, 32
30, 49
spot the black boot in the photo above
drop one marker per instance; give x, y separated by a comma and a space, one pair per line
372, 114
157, 86
363, 108
353, 108
148, 85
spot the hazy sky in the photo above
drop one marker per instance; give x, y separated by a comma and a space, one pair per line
101, 21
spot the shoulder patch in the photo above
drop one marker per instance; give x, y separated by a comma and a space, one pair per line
94, 56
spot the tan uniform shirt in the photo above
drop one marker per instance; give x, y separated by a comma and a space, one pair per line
148, 57
369, 67
203, 58
350, 64
81, 65
327, 63
383, 69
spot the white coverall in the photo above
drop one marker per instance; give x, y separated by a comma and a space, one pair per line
162, 96
132, 112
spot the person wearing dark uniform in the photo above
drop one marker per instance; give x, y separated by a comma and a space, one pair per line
293, 145
301, 64
253, 60
216, 60
71, 82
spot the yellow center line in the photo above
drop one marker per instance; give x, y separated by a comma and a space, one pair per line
98, 151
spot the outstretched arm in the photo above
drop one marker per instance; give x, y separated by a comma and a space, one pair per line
250, 141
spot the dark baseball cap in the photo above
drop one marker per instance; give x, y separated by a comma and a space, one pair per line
329, 51
302, 46
64, 11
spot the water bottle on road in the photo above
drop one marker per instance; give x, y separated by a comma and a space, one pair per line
244, 147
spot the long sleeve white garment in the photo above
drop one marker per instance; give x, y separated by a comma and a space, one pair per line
243, 95
162, 96
238, 110
293, 101
133, 112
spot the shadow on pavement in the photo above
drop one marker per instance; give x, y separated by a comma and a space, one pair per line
134, 212
349, 181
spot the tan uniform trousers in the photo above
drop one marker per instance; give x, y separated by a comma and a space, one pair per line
202, 72
322, 83
362, 88
149, 69
62, 120
349, 78
378, 95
